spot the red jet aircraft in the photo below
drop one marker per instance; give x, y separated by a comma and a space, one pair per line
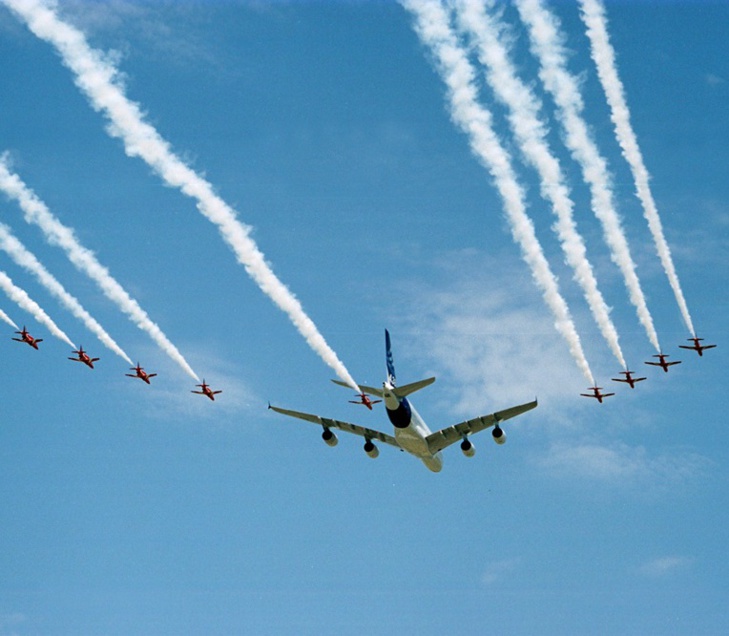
206, 390
699, 348
84, 357
364, 400
596, 393
663, 364
628, 379
140, 373
27, 338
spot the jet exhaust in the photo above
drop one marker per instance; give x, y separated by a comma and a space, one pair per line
6, 318
36, 212
531, 134
18, 252
432, 25
547, 45
603, 54
99, 80
19, 296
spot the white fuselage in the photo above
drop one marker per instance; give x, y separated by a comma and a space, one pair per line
411, 432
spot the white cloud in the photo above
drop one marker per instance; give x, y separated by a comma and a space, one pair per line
496, 571
663, 566
618, 463
714, 80
487, 335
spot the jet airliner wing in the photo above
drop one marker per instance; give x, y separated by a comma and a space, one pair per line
367, 433
445, 437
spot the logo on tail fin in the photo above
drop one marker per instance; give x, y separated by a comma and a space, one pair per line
388, 356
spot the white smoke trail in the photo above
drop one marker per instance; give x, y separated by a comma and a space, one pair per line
433, 28
530, 133
593, 15
35, 211
24, 301
546, 42
99, 80
18, 252
6, 318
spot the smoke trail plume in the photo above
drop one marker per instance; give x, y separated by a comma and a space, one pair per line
99, 80
36, 212
6, 318
593, 15
24, 301
530, 133
433, 28
546, 42
18, 252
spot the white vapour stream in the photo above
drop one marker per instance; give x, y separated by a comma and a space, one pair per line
20, 254
24, 301
546, 42
593, 15
99, 80
6, 318
36, 212
530, 133
433, 28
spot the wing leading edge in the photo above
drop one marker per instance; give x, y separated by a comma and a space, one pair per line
367, 433
445, 437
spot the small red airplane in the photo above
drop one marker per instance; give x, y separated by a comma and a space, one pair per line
628, 379
27, 338
596, 393
140, 373
699, 348
662, 362
84, 357
364, 400
206, 390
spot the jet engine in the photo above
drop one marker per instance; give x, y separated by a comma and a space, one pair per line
371, 450
469, 450
498, 435
329, 437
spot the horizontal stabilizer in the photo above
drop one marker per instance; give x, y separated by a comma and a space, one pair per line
404, 391
365, 389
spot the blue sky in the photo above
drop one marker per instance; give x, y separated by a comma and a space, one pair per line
128, 508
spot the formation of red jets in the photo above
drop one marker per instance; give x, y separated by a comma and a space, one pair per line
662, 363
362, 398
85, 358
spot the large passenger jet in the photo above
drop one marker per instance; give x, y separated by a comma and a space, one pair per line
411, 433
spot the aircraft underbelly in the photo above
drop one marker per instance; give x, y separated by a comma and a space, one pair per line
412, 441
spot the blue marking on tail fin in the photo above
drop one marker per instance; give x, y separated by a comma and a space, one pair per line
388, 356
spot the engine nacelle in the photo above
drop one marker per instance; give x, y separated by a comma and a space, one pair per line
498, 435
329, 438
371, 450
467, 447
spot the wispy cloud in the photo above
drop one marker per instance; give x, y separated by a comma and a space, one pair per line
618, 463
483, 335
714, 80
664, 566
496, 571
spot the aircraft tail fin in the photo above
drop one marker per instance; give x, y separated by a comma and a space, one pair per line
404, 391
388, 356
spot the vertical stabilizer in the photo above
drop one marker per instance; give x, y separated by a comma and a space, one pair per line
388, 356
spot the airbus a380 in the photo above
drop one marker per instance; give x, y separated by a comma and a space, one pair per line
411, 433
